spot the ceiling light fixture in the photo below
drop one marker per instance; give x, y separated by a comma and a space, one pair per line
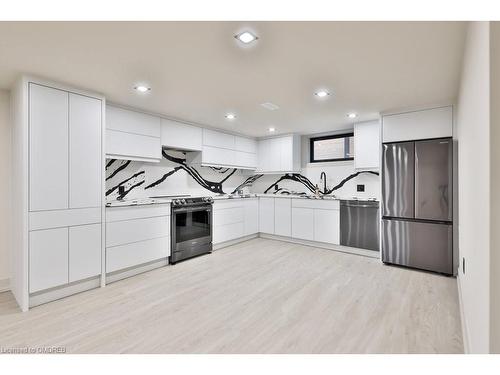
230, 116
272, 130
142, 88
246, 37
352, 115
322, 93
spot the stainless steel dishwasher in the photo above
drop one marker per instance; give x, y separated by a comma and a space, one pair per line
360, 224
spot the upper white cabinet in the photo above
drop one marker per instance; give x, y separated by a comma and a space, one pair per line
424, 124
49, 151
225, 150
367, 145
132, 135
180, 136
279, 155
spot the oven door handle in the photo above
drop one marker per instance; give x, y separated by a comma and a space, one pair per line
191, 209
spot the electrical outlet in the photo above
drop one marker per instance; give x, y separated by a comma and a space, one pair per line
463, 266
361, 188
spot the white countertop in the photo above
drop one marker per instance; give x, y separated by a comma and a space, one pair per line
149, 201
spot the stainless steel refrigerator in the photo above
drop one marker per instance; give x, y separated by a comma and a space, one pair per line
417, 217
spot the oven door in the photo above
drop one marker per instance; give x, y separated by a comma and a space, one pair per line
191, 231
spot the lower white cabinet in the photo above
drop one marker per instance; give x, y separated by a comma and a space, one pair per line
136, 235
316, 220
64, 255
228, 220
283, 217
84, 252
303, 223
266, 215
48, 259
251, 212
326, 226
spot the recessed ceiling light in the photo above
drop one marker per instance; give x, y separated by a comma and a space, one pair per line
272, 130
142, 88
322, 93
352, 115
230, 116
246, 37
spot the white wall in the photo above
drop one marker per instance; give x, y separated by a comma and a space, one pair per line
5, 165
473, 132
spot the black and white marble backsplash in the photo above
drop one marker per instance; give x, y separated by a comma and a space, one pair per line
173, 176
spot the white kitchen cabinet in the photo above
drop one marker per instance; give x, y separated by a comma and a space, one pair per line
245, 159
128, 121
128, 146
136, 253
58, 133
283, 217
251, 214
218, 139
136, 235
48, 259
48, 145
266, 215
84, 252
279, 155
303, 223
180, 136
85, 152
327, 226
422, 124
367, 145
132, 135
245, 144
228, 220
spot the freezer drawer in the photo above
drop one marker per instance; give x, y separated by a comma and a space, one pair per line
427, 246
398, 180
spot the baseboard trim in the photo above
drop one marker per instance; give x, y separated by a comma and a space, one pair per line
136, 270
4, 285
465, 331
234, 242
40, 298
322, 245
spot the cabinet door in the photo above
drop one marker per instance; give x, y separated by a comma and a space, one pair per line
303, 223
283, 217
327, 226
180, 136
251, 213
367, 145
286, 154
124, 120
48, 138
85, 151
245, 160
218, 139
132, 146
245, 144
48, 258
274, 161
266, 215
217, 156
263, 155
84, 252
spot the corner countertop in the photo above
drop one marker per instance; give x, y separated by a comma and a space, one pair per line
154, 201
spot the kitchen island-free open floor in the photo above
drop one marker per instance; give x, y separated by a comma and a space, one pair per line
259, 296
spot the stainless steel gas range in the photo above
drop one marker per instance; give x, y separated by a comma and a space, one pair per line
191, 228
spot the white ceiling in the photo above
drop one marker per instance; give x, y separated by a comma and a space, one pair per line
198, 71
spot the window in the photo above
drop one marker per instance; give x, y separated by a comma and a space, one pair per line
332, 148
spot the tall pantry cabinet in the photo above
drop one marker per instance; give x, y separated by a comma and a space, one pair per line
58, 191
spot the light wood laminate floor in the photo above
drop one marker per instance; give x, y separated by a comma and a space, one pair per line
260, 296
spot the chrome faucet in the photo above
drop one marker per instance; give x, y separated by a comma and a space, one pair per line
322, 177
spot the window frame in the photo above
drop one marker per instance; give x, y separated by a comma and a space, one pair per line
324, 138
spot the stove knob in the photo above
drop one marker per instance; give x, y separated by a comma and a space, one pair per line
183, 201
176, 202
